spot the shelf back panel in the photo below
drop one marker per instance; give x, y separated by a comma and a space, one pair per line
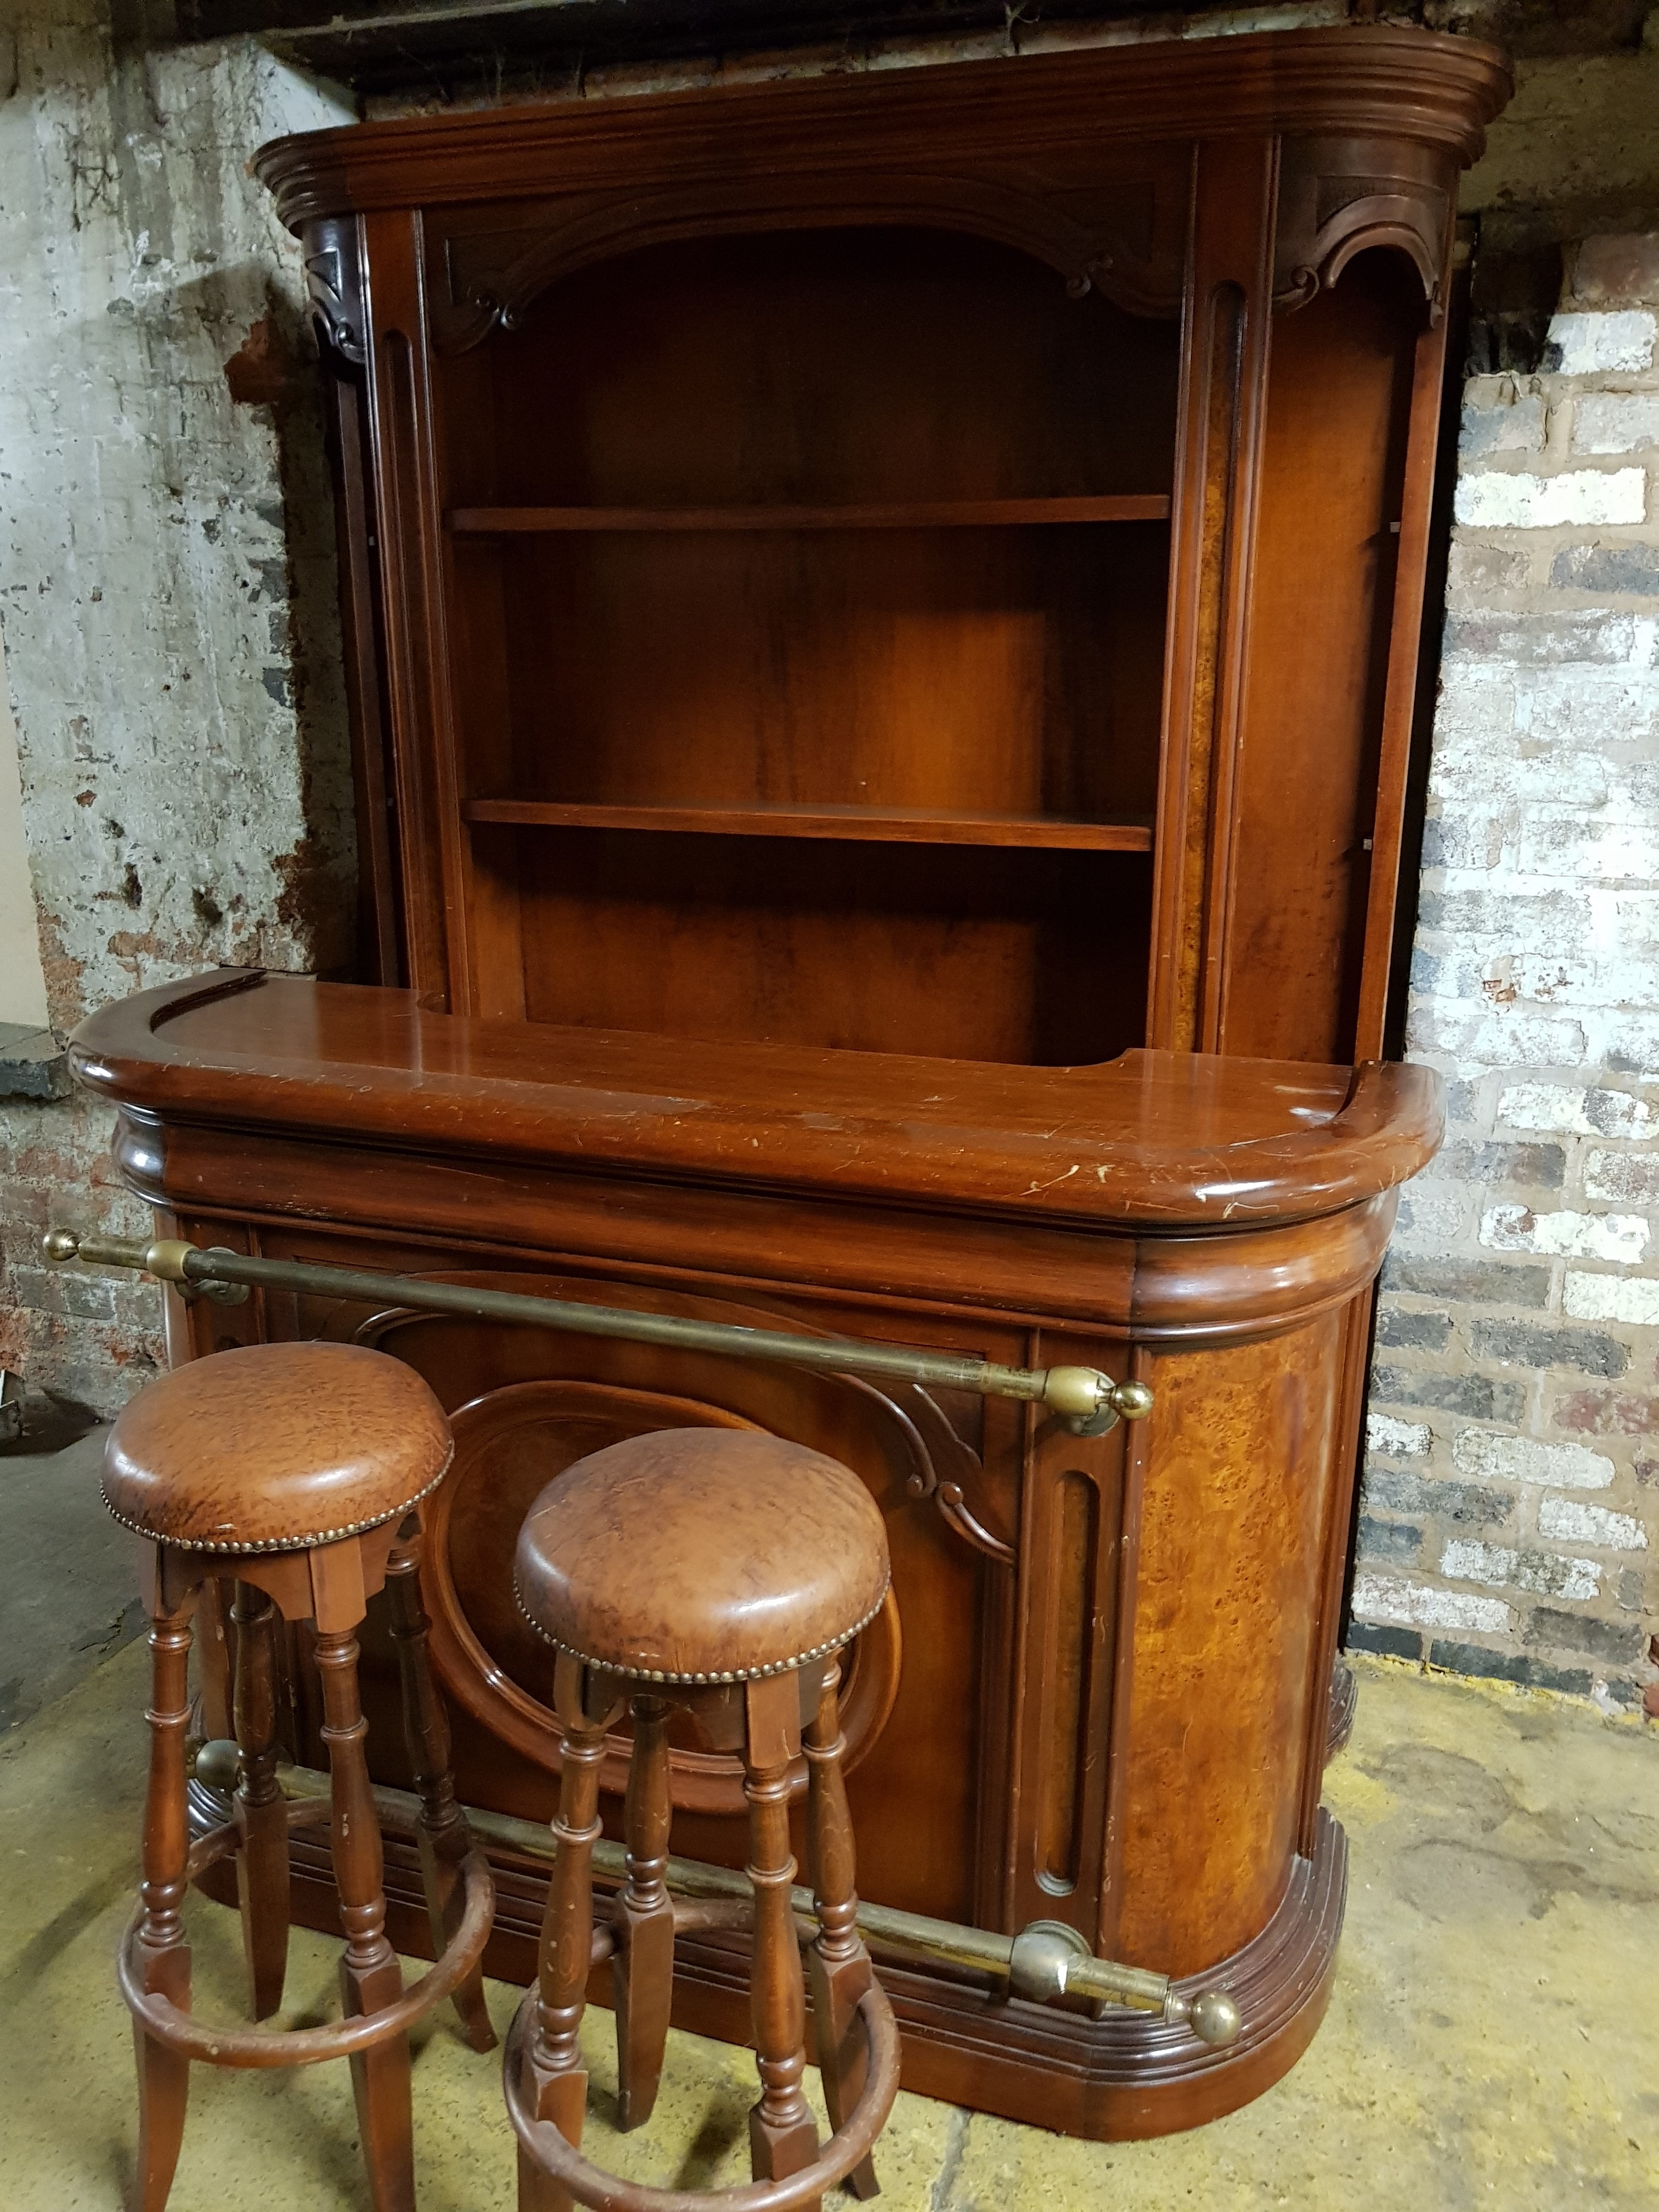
816, 368
999, 672
1039, 958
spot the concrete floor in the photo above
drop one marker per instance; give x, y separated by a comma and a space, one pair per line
1491, 2043
67, 1575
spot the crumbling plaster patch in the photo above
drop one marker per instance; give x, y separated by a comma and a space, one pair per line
167, 582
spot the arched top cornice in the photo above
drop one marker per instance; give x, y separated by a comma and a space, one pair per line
1056, 114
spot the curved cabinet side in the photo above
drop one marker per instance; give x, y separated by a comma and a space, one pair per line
1243, 1456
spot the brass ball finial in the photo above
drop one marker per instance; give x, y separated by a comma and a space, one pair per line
1215, 2018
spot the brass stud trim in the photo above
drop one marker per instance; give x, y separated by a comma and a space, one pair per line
283, 1543
708, 1681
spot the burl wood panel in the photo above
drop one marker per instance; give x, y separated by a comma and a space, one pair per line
1229, 1593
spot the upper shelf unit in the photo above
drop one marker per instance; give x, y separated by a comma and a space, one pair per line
805, 596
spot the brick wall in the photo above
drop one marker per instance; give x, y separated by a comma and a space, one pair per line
1511, 1498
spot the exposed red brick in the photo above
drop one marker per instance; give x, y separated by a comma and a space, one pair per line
260, 371
1607, 1413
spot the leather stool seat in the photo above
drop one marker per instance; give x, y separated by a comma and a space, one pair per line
703, 1555
275, 1448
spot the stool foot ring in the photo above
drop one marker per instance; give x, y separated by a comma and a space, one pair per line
179, 2032
547, 2149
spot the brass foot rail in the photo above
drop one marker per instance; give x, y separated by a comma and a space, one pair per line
1081, 1399
1045, 1960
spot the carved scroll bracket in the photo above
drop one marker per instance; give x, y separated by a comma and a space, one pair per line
334, 280
1341, 197
962, 1468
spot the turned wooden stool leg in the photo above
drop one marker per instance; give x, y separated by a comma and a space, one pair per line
164, 2074
783, 2136
214, 1693
441, 1830
839, 1963
370, 1976
642, 1972
261, 1809
558, 2078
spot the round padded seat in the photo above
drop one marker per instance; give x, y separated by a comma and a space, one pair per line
275, 1448
702, 1555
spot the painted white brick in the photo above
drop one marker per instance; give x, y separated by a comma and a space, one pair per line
1429, 1224
1544, 1573
1560, 1109
1560, 777
1546, 1106
1595, 706
1497, 500
1615, 422
1587, 849
1512, 424
1635, 926
1498, 1036
1469, 841
1617, 983
1632, 1176
1521, 1458
1622, 1236
1583, 637
1611, 1298
1550, 922
1630, 1041
1397, 1439
1478, 1563
1595, 344
1574, 1522
1386, 1597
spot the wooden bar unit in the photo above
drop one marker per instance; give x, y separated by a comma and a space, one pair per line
882, 614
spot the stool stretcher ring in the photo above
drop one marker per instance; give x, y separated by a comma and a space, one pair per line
306, 2046
591, 2185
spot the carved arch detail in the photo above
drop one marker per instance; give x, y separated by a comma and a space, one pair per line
1338, 197
1123, 238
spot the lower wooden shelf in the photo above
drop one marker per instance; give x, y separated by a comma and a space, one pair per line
856, 824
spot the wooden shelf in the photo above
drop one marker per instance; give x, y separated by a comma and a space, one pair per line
923, 515
859, 824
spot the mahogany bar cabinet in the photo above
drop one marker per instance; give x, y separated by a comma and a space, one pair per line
882, 616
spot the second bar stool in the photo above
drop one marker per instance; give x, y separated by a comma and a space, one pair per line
299, 1470
720, 1571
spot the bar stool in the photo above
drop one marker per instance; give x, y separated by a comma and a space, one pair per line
723, 1571
299, 1469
